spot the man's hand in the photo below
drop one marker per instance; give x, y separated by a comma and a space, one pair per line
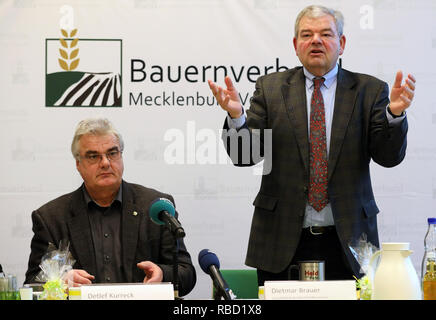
77, 277
152, 271
402, 95
227, 98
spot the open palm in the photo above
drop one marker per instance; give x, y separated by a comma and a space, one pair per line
402, 94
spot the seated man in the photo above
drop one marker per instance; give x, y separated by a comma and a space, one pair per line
106, 221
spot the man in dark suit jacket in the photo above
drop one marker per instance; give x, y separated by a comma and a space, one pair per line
106, 221
360, 123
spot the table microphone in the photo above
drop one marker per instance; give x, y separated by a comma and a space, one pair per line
162, 212
210, 264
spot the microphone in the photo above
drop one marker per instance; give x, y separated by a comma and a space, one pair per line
210, 264
162, 212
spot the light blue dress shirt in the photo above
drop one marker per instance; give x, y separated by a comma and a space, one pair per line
328, 90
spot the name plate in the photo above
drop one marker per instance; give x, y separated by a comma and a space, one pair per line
310, 290
127, 291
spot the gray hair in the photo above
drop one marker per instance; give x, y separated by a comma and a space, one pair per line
316, 11
94, 126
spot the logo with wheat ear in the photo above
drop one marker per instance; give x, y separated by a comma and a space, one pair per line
93, 80
68, 60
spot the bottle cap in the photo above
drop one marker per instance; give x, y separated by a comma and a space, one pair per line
431, 220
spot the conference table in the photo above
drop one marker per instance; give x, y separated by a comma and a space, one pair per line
110, 300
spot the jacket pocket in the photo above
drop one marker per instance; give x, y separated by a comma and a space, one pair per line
370, 208
265, 202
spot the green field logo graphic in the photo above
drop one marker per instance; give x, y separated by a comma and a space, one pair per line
83, 72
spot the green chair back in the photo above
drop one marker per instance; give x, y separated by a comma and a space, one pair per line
243, 282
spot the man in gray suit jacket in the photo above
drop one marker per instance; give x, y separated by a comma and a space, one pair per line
326, 124
106, 221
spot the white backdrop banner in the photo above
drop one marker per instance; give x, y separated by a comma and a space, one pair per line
144, 64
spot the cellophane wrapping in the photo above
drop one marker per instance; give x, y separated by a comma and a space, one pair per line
363, 251
55, 265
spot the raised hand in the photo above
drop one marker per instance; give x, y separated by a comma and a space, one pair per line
402, 94
227, 98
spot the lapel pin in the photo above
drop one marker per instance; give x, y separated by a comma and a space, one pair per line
135, 213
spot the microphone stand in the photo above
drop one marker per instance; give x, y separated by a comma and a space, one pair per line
177, 234
217, 295
220, 295
176, 269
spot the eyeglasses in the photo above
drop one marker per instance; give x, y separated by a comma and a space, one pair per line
94, 158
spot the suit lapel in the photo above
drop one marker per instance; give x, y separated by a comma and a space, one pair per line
294, 95
345, 98
80, 233
131, 217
